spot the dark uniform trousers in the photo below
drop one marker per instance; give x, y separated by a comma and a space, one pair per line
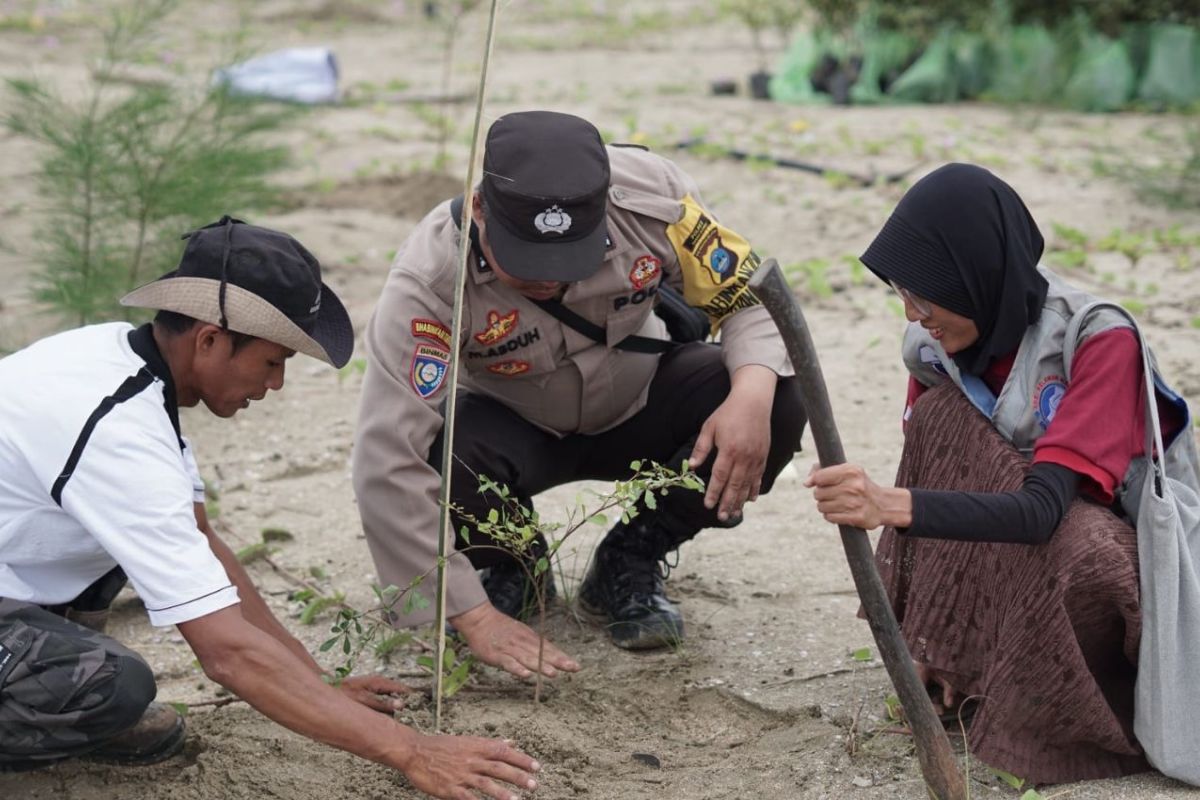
691, 382
64, 689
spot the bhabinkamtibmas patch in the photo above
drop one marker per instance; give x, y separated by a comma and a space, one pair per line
431, 329
716, 263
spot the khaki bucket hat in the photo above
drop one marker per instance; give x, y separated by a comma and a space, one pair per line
255, 281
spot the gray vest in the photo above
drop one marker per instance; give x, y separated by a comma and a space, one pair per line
1040, 374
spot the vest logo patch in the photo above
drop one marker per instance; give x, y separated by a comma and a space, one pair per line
930, 357
498, 326
1046, 398
431, 329
509, 368
645, 269
429, 367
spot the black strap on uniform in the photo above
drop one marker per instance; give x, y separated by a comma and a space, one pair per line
632, 343
129, 388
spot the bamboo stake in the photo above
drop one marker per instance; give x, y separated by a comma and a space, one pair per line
445, 532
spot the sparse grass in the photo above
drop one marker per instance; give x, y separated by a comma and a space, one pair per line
1173, 179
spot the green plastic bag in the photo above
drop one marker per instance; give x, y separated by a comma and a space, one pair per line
932, 78
973, 63
1027, 66
1103, 78
884, 53
790, 83
1170, 79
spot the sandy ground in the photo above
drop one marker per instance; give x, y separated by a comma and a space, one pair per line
763, 699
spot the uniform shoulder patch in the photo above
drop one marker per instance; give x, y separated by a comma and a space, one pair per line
431, 329
716, 263
429, 367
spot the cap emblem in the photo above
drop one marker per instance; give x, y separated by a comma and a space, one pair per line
553, 220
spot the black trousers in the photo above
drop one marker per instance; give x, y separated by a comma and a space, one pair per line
691, 382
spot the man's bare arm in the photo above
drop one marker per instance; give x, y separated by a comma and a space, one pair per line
269, 676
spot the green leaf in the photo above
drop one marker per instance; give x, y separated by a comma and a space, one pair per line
425, 661
329, 643
541, 566
276, 535
1009, 778
180, 708
893, 707
601, 520
392, 643
636, 466
1069, 234
414, 601
1032, 794
493, 516
458, 676
254, 552
649, 499
861, 654
315, 606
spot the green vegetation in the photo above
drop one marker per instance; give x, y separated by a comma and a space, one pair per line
512, 527
132, 165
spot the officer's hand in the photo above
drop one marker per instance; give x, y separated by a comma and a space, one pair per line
463, 767
375, 692
740, 429
498, 639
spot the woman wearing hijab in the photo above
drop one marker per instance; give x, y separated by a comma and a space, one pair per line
1007, 556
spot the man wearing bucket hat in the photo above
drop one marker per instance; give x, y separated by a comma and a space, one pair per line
567, 375
100, 487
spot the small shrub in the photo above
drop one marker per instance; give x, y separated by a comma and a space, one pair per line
133, 165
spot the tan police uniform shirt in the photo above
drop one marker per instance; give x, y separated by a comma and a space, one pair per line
513, 351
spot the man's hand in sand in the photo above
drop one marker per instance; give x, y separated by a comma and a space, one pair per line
502, 641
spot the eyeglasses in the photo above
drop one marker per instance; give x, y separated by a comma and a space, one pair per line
922, 306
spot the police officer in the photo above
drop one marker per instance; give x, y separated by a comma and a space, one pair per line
573, 242
100, 485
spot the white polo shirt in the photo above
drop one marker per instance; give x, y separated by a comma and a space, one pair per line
93, 473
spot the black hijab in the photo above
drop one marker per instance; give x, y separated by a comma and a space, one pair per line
962, 238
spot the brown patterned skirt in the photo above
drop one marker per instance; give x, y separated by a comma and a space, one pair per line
1046, 636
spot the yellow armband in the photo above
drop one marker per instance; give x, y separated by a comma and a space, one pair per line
716, 263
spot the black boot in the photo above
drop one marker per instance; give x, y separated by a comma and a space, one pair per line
511, 591
625, 585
